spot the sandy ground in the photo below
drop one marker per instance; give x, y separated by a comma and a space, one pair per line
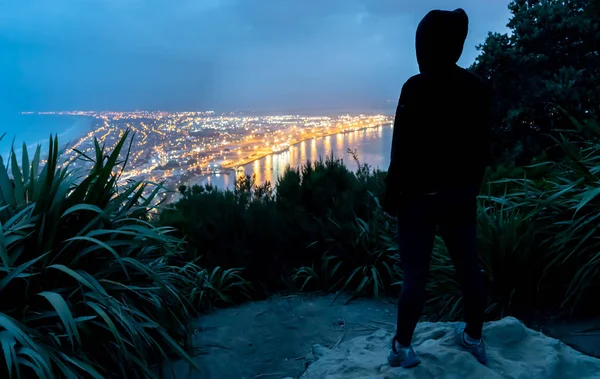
275, 338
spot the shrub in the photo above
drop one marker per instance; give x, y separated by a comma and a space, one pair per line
510, 258
233, 230
538, 240
323, 225
86, 285
269, 233
351, 227
354, 259
566, 208
206, 289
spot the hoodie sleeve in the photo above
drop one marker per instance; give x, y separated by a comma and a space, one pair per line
399, 138
397, 127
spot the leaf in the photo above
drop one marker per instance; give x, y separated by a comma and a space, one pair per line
64, 312
6, 260
22, 213
335, 269
8, 343
85, 367
178, 348
102, 245
25, 162
84, 207
39, 363
5, 185
20, 269
17, 180
33, 175
16, 330
360, 289
111, 325
375, 281
588, 196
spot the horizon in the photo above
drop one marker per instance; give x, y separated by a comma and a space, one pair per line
220, 54
249, 57
263, 112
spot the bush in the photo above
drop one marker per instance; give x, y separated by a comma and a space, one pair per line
233, 230
565, 210
87, 287
510, 257
354, 258
538, 239
270, 233
321, 228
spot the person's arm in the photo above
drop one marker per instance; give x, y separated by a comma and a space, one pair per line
399, 139
399, 123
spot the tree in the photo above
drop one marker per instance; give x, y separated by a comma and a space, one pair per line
549, 61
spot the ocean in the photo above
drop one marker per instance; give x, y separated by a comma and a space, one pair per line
34, 129
372, 146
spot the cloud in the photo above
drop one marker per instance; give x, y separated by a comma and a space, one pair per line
197, 54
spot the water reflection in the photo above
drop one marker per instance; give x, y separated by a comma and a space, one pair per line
372, 147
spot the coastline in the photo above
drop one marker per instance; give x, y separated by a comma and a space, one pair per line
76, 131
197, 179
297, 143
68, 128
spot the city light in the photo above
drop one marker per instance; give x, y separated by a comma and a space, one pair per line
173, 147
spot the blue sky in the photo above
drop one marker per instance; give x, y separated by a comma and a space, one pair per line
216, 54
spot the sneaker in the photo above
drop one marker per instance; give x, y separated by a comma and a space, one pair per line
402, 356
478, 350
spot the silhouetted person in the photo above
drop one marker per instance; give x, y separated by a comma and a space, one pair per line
440, 150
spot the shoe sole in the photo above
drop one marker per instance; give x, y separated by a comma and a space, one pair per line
403, 364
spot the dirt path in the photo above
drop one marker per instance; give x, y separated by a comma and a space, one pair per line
271, 339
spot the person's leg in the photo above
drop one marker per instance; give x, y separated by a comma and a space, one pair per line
461, 240
416, 233
459, 231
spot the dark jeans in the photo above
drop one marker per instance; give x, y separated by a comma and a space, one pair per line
452, 213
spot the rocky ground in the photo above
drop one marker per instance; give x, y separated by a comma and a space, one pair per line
514, 351
276, 338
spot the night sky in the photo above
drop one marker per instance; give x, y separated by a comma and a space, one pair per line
270, 55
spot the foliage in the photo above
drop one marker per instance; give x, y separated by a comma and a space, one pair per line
510, 259
354, 259
86, 284
231, 229
323, 226
91, 287
212, 288
566, 208
549, 60
272, 232
537, 212
538, 242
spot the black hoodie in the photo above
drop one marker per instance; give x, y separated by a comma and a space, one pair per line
441, 130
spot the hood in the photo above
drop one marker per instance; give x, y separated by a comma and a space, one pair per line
440, 39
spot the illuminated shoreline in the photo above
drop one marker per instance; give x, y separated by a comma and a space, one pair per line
238, 166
